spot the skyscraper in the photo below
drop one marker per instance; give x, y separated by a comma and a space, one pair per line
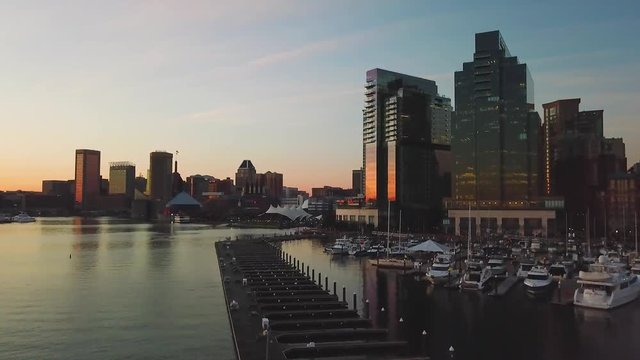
160, 176
273, 185
122, 177
441, 120
87, 179
496, 130
495, 139
398, 154
246, 178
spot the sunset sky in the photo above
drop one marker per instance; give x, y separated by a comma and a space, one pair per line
277, 82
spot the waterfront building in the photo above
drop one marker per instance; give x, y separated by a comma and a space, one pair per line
222, 186
249, 182
273, 185
400, 166
358, 215
55, 187
159, 183
87, 179
140, 183
196, 185
356, 181
246, 177
622, 203
122, 178
441, 112
495, 143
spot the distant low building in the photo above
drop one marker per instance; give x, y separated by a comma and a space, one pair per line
358, 215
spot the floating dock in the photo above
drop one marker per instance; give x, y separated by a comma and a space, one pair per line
278, 311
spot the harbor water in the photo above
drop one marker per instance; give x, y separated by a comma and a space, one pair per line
103, 288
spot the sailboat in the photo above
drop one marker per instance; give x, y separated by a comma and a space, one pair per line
388, 262
476, 275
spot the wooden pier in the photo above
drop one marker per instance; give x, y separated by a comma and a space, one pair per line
504, 286
276, 311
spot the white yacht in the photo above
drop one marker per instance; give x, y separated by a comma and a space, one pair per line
606, 285
525, 266
341, 246
538, 280
476, 276
497, 266
442, 270
23, 218
180, 219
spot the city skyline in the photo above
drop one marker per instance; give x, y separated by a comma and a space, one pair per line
227, 82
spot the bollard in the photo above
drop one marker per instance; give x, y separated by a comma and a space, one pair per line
313, 274
307, 270
320, 279
354, 302
366, 308
303, 268
334, 288
344, 294
326, 283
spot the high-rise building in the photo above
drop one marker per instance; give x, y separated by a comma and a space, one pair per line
140, 183
399, 156
246, 177
495, 140
198, 184
496, 130
356, 181
273, 185
441, 120
87, 179
160, 176
55, 187
122, 177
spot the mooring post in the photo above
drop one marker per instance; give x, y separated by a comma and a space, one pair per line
307, 270
334, 288
326, 283
302, 268
344, 294
366, 308
355, 308
313, 274
320, 279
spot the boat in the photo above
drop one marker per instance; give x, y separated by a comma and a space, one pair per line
441, 271
635, 266
537, 246
538, 280
559, 271
525, 266
606, 285
476, 276
497, 266
180, 219
397, 264
341, 246
5, 219
23, 218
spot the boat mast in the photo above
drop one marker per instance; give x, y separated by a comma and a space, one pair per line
469, 235
388, 225
624, 225
635, 226
587, 233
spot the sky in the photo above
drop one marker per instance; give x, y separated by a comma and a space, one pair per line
278, 82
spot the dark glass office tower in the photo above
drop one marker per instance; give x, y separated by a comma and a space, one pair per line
400, 164
495, 132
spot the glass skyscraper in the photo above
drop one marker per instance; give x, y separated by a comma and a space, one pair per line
399, 159
495, 132
87, 179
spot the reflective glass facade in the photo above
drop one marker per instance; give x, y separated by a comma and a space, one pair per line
399, 162
495, 131
87, 178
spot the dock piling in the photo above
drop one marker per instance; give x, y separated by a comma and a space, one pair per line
319, 279
334, 288
326, 283
344, 294
355, 307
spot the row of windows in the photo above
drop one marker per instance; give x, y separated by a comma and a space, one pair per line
360, 218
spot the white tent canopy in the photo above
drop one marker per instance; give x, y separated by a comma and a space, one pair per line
292, 212
429, 246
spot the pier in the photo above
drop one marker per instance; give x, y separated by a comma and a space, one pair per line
563, 293
504, 286
277, 310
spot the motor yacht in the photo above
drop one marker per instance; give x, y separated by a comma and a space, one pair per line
442, 270
497, 266
23, 218
476, 276
341, 246
538, 280
525, 266
606, 285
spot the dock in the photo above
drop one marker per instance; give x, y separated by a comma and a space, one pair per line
278, 311
563, 293
504, 287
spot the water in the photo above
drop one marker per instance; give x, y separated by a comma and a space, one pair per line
141, 291
128, 291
